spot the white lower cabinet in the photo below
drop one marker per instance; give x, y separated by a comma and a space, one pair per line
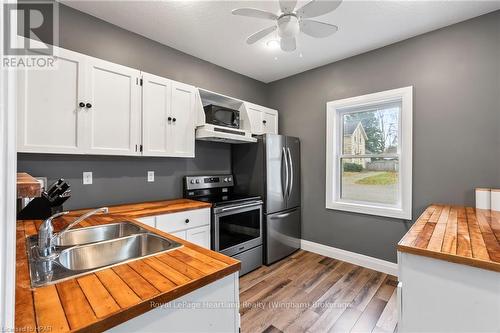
181, 234
440, 296
191, 225
209, 309
200, 236
150, 220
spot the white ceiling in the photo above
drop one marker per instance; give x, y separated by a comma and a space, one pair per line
208, 30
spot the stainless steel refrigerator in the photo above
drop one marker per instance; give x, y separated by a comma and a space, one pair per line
271, 168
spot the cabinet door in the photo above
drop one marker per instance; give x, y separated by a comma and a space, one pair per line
149, 220
270, 123
183, 120
113, 121
156, 108
181, 234
255, 117
199, 236
50, 119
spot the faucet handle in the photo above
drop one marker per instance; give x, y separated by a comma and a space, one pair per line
45, 235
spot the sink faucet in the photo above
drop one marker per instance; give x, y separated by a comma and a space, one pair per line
46, 235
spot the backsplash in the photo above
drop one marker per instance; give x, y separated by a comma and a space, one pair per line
121, 179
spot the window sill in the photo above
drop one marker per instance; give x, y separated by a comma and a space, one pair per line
397, 213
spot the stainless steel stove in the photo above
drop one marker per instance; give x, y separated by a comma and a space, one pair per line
236, 228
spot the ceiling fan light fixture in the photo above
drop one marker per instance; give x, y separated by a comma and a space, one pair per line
273, 44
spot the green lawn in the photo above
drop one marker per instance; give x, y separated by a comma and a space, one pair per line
386, 178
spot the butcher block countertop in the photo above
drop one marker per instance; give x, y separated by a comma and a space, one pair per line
151, 208
27, 186
462, 235
103, 299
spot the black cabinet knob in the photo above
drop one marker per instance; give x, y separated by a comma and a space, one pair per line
187, 221
174, 120
169, 118
81, 104
88, 105
263, 121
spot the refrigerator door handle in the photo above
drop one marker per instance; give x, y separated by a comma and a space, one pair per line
290, 189
284, 157
280, 216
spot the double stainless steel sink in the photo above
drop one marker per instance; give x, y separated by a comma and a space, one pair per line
85, 250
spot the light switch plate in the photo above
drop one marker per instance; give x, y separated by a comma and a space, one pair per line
151, 176
87, 178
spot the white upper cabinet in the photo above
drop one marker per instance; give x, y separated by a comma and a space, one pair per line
270, 122
114, 111
156, 108
168, 109
183, 119
49, 116
83, 106
87, 105
262, 120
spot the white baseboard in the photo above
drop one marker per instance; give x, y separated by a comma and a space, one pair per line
350, 257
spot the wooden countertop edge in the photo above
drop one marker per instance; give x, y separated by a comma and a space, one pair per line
27, 186
145, 306
474, 262
126, 210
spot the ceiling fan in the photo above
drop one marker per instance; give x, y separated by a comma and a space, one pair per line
291, 21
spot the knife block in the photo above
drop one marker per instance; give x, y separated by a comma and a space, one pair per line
39, 208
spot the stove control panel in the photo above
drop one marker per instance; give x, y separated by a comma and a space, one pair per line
205, 182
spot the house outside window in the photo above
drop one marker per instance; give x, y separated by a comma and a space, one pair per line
369, 154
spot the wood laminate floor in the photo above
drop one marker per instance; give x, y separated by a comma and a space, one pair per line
307, 292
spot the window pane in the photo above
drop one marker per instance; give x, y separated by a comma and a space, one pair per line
371, 130
374, 180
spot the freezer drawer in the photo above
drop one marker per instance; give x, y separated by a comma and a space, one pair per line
250, 259
282, 232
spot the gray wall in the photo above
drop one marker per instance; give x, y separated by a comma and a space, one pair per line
456, 77
123, 179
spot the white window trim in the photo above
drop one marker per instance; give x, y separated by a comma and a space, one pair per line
333, 121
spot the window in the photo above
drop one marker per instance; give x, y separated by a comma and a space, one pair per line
369, 154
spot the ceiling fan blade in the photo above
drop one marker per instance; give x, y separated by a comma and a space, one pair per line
288, 44
260, 34
287, 6
252, 12
317, 29
318, 7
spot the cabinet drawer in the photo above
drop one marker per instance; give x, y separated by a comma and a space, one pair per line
183, 220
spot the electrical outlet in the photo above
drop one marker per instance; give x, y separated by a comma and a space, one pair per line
151, 176
87, 178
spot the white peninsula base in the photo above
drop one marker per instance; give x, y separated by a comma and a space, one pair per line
212, 308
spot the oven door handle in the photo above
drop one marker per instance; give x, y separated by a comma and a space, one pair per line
255, 203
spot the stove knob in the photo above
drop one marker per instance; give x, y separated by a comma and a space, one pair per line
225, 180
192, 181
230, 179
197, 181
